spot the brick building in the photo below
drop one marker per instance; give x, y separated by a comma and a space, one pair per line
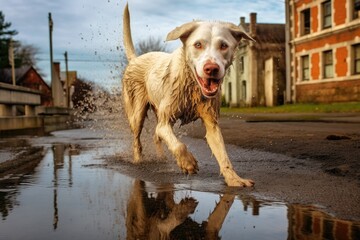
323, 42
307, 223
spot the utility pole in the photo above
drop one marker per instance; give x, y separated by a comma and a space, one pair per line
51, 58
67, 81
12, 61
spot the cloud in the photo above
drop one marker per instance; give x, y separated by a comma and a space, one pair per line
92, 29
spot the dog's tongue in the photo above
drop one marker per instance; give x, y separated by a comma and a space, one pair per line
211, 84
207, 82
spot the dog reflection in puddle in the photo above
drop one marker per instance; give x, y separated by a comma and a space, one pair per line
160, 217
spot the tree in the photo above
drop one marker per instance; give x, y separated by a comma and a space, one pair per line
4, 32
82, 97
24, 53
5, 35
151, 45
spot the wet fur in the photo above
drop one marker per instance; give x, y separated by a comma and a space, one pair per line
165, 83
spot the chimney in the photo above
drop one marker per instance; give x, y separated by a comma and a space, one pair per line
253, 24
242, 22
57, 68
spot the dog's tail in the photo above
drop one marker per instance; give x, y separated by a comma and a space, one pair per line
129, 46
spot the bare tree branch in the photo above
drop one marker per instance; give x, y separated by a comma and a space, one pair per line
151, 44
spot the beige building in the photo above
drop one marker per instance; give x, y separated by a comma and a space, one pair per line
257, 75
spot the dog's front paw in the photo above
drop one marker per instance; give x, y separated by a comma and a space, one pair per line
239, 182
188, 163
233, 180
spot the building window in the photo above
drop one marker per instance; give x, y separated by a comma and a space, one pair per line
243, 88
305, 67
241, 64
326, 12
356, 8
328, 64
305, 21
356, 54
307, 223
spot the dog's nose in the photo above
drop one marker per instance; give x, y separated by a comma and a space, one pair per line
211, 69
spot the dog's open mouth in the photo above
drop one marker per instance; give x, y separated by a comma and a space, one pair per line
209, 86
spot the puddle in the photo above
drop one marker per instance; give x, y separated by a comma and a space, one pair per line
72, 194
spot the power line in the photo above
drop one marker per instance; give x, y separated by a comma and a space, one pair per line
75, 60
82, 60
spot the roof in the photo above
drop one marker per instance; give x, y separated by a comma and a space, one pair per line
268, 32
6, 77
20, 73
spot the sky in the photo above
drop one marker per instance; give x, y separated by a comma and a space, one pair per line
91, 30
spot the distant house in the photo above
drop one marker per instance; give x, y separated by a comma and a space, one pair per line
257, 75
72, 77
324, 50
27, 76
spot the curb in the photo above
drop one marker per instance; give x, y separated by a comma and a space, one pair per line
296, 117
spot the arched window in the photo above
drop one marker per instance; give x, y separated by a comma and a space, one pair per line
243, 90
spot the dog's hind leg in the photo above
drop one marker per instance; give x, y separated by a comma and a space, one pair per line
159, 148
157, 141
136, 123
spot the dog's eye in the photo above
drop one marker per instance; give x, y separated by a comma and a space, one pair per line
198, 45
223, 46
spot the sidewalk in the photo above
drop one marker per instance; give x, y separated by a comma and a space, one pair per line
296, 117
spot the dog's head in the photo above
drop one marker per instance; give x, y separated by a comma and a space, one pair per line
210, 48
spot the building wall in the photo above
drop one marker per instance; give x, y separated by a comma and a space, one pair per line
264, 53
244, 86
340, 38
238, 80
328, 92
248, 82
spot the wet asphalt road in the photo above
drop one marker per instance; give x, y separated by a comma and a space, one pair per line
83, 185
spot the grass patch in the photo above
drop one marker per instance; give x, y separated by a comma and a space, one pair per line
348, 107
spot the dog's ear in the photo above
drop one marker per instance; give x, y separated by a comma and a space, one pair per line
182, 32
238, 32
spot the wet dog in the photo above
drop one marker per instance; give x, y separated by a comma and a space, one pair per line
183, 85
